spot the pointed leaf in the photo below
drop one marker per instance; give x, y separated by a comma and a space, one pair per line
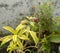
23, 37
14, 38
19, 27
32, 23
33, 35
5, 39
19, 43
22, 31
12, 47
9, 29
55, 38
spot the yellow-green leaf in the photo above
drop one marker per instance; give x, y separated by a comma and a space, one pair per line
19, 43
32, 23
22, 31
35, 38
19, 27
9, 29
14, 38
23, 37
12, 47
29, 18
5, 39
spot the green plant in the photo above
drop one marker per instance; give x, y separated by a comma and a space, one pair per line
46, 26
35, 32
17, 38
45, 47
49, 26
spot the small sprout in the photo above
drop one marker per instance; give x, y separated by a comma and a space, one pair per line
24, 22
43, 40
34, 19
29, 17
53, 33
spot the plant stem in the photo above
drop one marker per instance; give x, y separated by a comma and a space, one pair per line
31, 47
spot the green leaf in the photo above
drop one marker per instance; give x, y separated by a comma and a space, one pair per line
12, 47
9, 29
28, 28
10, 51
19, 27
55, 38
15, 38
19, 43
22, 31
29, 18
24, 37
5, 39
32, 23
35, 38
9, 47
